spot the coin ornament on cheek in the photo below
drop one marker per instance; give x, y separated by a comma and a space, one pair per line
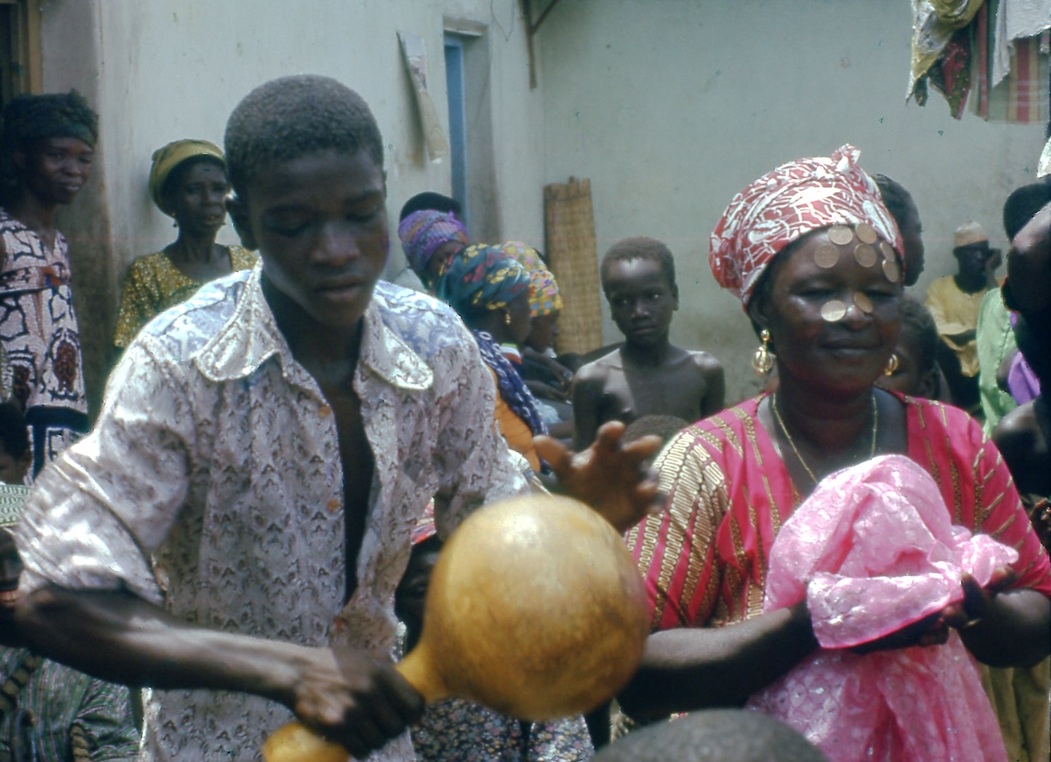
863, 302
833, 311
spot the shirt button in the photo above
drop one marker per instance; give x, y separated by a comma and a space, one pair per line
332, 505
324, 411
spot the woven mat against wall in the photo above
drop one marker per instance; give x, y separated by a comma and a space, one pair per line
569, 223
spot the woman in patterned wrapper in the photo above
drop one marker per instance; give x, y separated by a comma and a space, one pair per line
46, 149
188, 182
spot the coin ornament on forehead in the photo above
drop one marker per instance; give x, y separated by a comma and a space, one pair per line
865, 255
866, 233
826, 255
891, 268
840, 235
863, 302
833, 311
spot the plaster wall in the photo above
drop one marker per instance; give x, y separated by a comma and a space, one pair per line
171, 69
671, 107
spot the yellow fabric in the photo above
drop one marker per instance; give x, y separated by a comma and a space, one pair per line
1020, 698
168, 157
934, 22
955, 312
154, 284
516, 432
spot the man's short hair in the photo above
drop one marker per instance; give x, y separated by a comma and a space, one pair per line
291, 117
639, 247
716, 735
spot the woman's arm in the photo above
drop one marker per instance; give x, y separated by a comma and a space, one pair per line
699, 668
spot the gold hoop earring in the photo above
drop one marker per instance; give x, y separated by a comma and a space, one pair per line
763, 359
892, 365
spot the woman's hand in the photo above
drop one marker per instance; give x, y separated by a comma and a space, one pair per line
933, 630
613, 478
349, 697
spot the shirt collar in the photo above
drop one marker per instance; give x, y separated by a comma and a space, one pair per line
251, 336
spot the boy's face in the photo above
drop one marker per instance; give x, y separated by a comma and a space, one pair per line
641, 300
320, 224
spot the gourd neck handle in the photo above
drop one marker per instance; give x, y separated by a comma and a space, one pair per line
419, 671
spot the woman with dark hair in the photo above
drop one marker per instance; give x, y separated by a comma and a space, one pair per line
188, 183
816, 260
46, 150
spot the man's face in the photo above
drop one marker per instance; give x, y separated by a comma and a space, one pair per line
320, 224
975, 259
55, 169
641, 300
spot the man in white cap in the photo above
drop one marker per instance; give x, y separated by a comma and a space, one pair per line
954, 302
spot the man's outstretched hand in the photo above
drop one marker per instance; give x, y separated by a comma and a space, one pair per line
613, 478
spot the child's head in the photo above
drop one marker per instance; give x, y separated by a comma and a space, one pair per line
902, 208
1022, 205
916, 373
638, 278
52, 137
292, 117
305, 159
15, 456
714, 735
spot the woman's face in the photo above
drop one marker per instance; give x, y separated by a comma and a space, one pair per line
521, 323
832, 309
544, 331
55, 169
197, 198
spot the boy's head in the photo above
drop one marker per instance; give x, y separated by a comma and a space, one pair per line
916, 373
15, 456
715, 735
429, 201
638, 278
291, 117
305, 160
1023, 204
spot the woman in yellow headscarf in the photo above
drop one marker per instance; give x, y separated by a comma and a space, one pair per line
188, 183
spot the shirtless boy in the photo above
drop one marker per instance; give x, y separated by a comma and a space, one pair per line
646, 375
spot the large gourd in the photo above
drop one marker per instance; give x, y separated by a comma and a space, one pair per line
535, 609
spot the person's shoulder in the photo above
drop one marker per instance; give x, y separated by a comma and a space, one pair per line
185, 328
933, 413
424, 323
598, 370
148, 263
704, 361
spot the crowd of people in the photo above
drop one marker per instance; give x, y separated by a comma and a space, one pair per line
247, 532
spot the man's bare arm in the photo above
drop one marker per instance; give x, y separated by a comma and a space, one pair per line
347, 695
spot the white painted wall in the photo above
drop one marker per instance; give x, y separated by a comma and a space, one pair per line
672, 106
167, 69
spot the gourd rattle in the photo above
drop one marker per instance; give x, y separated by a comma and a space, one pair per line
535, 609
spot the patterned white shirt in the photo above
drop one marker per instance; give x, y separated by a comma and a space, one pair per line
212, 485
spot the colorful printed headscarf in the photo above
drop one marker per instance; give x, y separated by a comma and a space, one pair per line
422, 233
784, 205
544, 297
529, 257
482, 278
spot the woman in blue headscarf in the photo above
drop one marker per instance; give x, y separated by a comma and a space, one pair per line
490, 291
